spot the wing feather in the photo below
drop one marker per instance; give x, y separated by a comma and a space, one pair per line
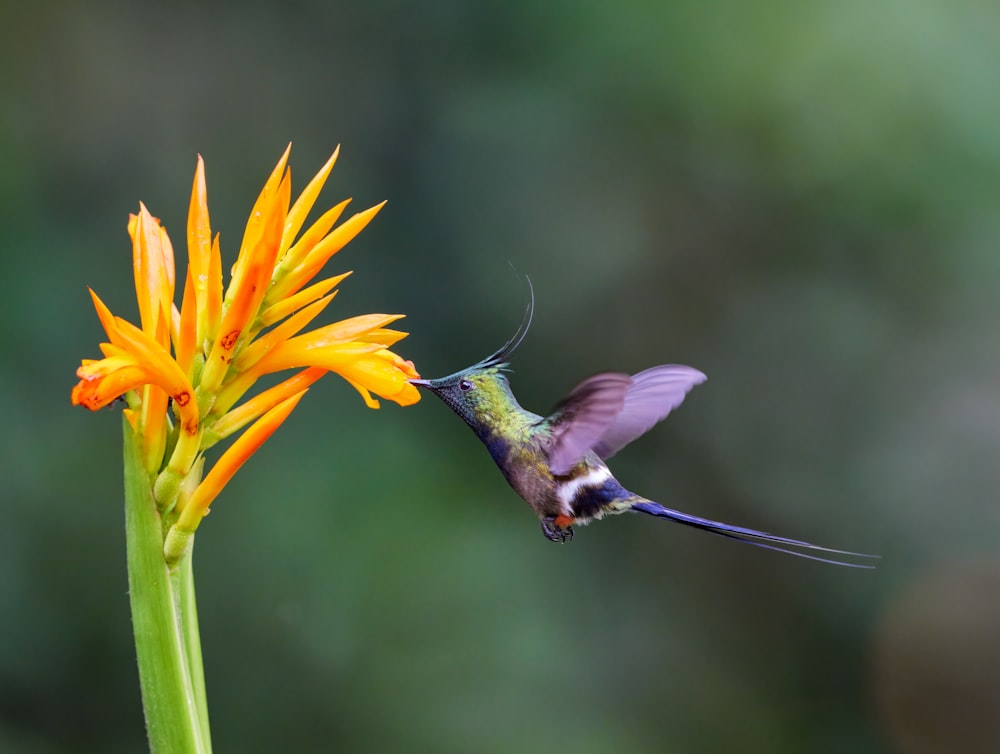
652, 395
581, 419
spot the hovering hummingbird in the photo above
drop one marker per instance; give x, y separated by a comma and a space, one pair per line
557, 462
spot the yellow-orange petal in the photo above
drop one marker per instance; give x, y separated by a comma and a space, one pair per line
105, 316
255, 351
187, 326
235, 456
210, 319
99, 387
153, 267
337, 239
260, 216
381, 371
298, 251
384, 337
365, 395
200, 249
300, 210
153, 423
163, 370
234, 321
343, 331
242, 415
298, 352
281, 309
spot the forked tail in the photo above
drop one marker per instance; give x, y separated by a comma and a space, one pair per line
752, 536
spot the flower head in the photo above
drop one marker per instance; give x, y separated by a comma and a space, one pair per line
184, 371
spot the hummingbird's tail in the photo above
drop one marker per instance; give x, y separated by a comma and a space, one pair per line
751, 536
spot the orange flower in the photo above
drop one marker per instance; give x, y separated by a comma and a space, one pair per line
183, 371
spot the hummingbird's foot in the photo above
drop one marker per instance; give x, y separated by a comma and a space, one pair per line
555, 533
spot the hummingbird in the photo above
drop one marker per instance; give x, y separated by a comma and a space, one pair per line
556, 463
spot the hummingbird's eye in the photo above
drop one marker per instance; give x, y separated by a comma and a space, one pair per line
465, 385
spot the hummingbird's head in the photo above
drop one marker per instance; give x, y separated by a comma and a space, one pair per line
480, 394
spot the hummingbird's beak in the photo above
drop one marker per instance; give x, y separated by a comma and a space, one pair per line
421, 383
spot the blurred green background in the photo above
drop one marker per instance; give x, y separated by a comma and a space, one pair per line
799, 198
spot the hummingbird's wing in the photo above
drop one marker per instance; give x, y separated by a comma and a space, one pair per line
583, 417
652, 395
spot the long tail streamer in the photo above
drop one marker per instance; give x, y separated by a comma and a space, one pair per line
752, 536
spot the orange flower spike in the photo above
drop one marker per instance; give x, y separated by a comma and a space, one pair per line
298, 251
255, 351
320, 254
187, 328
369, 365
99, 386
212, 314
267, 251
249, 284
259, 216
385, 338
384, 373
106, 317
193, 510
338, 338
365, 395
295, 353
163, 370
300, 210
153, 265
306, 296
200, 250
345, 330
169, 268
245, 413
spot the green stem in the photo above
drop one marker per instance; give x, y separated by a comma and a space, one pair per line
184, 584
163, 620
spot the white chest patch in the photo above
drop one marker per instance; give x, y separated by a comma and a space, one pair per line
567, 490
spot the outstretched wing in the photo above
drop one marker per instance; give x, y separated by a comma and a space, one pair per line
652, 395
583, 417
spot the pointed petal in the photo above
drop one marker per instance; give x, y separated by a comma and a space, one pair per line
255, 351
386, 338
235, 456
261, 216
282, 309
245, 413
299, 352
210, 316
162, 369
105, 316
298, 251
153, 267
199, 240
300, 210
187, 328
383, 373
322, 251
365, 395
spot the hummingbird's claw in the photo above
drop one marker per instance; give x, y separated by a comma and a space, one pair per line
555, 533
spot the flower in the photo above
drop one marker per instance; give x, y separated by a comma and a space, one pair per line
183, 371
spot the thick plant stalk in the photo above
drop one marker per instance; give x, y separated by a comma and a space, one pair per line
164, 621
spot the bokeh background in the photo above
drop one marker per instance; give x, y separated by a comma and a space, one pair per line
799, 198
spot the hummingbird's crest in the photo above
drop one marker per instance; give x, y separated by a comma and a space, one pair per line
501, 357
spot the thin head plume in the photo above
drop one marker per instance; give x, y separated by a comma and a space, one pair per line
502, 355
